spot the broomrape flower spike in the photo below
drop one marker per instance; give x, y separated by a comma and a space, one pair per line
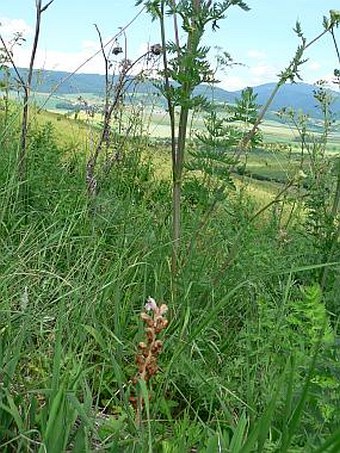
149, 349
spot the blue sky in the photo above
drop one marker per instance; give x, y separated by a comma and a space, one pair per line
261, 39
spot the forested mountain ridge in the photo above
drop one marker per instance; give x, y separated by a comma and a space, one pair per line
298, 96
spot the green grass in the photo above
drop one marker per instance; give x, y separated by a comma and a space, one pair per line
249, 360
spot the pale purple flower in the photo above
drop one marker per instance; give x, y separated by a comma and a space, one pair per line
150, 304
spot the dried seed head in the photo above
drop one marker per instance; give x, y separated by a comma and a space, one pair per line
156, 49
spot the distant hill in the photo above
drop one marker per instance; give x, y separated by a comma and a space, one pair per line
297, 96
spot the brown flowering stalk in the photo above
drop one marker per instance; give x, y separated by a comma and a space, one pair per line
148, 350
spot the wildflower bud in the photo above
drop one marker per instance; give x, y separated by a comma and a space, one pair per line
142, 345
161, 324
145, 317
157, 347
151, 323
150, 334
156, 49
139, 359
163, 309
152, 368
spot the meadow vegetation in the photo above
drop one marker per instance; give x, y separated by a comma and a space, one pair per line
105, 346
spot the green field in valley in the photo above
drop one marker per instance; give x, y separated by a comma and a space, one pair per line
269, 161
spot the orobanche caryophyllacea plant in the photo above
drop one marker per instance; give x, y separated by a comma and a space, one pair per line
148, 350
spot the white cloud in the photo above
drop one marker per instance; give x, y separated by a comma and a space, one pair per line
8, 27
243, 76
254, 73
263, 70
143, 47
327, 77
232, 83
90, 45
314, 66
64, 61
48, 59
256, 54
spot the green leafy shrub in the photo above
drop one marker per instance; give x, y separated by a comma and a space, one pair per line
294, 331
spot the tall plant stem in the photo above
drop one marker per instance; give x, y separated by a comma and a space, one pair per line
121, 86
27, 91
177, 186
335, 238
176, 192
336, 200
193, 39
188, 69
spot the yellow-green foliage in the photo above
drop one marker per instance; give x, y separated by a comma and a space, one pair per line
69, 133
